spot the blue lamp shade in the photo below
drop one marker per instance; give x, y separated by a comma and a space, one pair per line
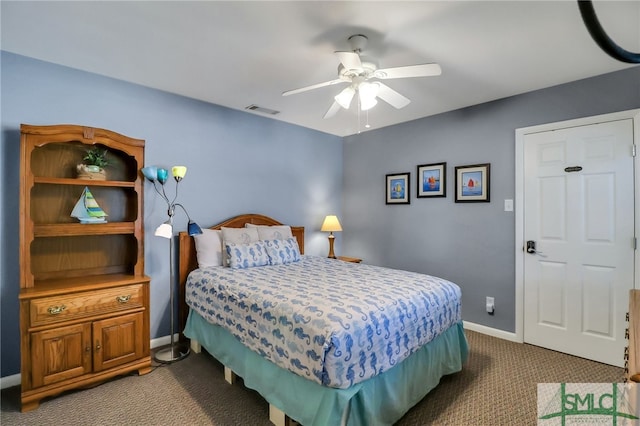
193, 229
150, 172
163, 174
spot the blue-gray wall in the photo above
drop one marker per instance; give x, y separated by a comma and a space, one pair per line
237, 163
471, 244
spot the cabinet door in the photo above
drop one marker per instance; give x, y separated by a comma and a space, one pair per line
117, 340
60, 354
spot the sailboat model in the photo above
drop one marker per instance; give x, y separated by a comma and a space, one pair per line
87, 209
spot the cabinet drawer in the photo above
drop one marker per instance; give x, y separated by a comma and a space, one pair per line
50, 310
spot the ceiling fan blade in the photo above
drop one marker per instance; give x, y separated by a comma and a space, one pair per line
423, 70
313, 86
333, 109
391, 97
350, 60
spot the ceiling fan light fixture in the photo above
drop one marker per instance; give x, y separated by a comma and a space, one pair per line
367, 104
357, 70
367, 93
344, 98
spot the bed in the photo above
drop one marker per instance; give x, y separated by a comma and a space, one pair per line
302, 332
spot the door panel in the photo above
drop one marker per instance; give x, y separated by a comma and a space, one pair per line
579, 209
598, 291
552, 300
117, 340
600, 208
553, 211
60, 354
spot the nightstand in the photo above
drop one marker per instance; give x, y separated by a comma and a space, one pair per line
349, 259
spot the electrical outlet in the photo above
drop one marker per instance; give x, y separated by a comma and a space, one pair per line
490, 305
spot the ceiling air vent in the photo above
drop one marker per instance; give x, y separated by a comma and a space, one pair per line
256, 108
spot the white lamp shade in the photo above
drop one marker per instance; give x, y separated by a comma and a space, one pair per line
344, 98
367, 104
367, 93
165, 230
331, 224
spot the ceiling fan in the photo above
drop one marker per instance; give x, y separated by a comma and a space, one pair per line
362, 76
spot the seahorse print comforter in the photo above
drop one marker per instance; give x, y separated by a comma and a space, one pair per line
333, 322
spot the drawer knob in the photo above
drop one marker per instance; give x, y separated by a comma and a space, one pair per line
123, 299
55, 310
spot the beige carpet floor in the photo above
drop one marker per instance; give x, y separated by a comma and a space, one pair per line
497, 387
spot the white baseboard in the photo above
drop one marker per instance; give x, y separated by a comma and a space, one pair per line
16, 379
10, 381
164, 340
501, 334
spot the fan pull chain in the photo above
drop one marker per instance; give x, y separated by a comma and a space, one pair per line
359, 109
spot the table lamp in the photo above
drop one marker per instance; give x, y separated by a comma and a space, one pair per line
331, 225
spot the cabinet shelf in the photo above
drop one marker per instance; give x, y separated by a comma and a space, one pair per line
83, 182
76, 229
55, 286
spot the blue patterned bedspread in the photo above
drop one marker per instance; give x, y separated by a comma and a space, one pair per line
333, 322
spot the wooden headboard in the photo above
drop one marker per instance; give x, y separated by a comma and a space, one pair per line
187, 251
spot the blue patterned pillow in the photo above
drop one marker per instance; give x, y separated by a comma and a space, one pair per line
282, 252
242, 256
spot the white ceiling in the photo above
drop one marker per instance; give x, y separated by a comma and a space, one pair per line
238, 53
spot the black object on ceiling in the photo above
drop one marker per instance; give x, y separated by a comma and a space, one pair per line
600, 36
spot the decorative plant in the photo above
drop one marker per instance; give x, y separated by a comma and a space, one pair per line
96, 157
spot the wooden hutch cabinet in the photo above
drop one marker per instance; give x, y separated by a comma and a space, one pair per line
633, 355
84, 298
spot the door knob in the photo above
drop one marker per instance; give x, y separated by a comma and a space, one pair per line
531, 246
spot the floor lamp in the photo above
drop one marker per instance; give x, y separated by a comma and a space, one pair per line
176, 350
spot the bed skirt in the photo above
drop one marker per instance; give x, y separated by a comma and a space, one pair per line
380, 400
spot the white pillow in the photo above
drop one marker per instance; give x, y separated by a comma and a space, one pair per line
242, 256
237, 236
275, 232
209, 248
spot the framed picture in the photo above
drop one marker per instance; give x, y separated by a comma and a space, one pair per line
472, 183
432, 180
398, 188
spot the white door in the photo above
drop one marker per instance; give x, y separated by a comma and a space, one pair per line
579, 213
